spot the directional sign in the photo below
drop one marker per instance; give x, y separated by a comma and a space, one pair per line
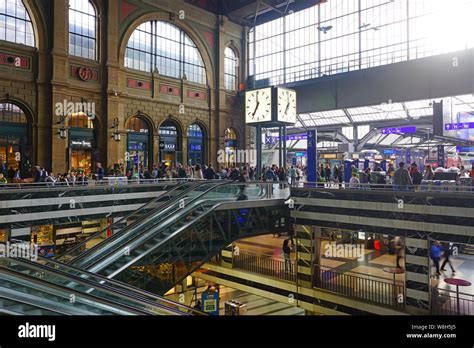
459, 126
312, 155
398, 130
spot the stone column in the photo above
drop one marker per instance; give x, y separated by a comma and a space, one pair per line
59, 82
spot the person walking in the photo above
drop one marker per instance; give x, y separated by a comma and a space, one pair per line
435, 254
100, 171
447, 253
327, 174
292, 176
287, 255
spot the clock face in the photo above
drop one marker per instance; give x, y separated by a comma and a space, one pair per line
258, 105
286, 105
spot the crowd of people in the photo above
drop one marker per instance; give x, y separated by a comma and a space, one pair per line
402, 178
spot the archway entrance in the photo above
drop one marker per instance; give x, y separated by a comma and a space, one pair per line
14, 153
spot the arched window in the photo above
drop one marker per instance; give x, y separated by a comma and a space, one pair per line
82, 29
10, 113
80, 120
138, 125
230, 69
13, 139
164, 46
15, 23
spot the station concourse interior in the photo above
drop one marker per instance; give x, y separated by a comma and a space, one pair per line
236, 158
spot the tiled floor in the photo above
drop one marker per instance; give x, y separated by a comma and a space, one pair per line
256, 305
372, 265
464, 267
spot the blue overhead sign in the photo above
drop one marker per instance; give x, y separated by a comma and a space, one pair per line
398, 130
458, 126
464, 148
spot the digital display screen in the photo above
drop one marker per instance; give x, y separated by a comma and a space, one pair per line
457, 121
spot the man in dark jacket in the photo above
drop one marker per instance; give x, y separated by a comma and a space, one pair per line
209, 173
401, 178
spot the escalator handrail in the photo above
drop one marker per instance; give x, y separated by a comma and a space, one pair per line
121, 232
111, 243
139, 236
39, 306
125, 289
97, 234
31, 281
179, 230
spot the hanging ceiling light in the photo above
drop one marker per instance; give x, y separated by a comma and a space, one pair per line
10, 149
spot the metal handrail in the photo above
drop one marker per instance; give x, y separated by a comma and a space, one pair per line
141, 236
125, 286
449, 302
321, 185
269, 266
35, 281
335, 270
125, 218
362, 288
97, 184
118, 289
167, 238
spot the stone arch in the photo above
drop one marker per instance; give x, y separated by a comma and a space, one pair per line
145, 117
197, 39
39, 24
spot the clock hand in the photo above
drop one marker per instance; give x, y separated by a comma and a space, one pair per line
258, 103
256, 108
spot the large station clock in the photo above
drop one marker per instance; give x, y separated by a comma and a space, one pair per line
286, 102
258, 105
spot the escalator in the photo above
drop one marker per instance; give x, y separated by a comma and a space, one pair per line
123, 225
49, 287
170, 244
23, 295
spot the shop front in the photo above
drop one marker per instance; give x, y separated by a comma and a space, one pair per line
43, 237
230, 144
195, 145
169, 144
80, 151
139, 151
14, 150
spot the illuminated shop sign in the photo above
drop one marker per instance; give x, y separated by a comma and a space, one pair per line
81, 143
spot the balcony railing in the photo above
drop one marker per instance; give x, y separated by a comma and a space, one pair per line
265, 265
361, 286
447, 302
